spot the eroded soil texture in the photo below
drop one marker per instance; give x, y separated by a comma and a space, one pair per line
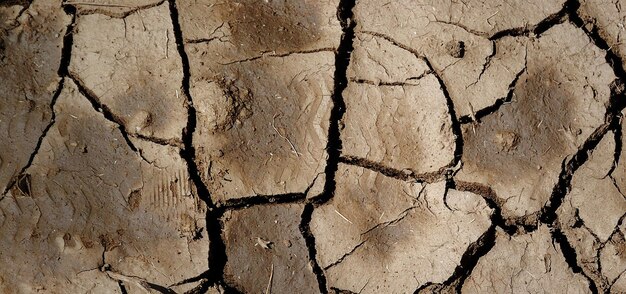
328, 146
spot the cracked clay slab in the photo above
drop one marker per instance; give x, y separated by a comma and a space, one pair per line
89, 205
558, 102
30, 55
598, 241
247, 142
262, 107
396, 112
461, 40
528, 263
132, 66
395, 235
266, 251
262, 91
312, 146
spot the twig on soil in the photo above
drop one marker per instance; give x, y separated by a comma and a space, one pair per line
167, 43
268, 290
293, 147
263, 243
489, 18
341, 215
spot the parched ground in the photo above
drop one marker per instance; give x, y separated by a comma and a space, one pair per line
328, 146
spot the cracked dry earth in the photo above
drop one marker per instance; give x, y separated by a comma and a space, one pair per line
333, 146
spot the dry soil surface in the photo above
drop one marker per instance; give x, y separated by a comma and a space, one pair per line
328, 146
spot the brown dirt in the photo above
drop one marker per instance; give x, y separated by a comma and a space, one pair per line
333, 146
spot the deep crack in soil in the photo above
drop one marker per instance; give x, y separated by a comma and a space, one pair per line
336, 146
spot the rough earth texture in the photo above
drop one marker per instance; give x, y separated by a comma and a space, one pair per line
333, 146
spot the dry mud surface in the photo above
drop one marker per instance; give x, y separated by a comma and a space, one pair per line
331, 146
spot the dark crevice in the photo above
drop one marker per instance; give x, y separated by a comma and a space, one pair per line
478, 115
309, 239
25, 6
561, 189
176, 143
13, 181
570, 256
159, 288
68, 42
544, 25
217, 249
66, 55
412, 81
197, 278
485, 243
334, 145
537, 29
487, 63
455, 124
516, 226
141, 281
105, 110
618, 102
613, 118
341, 291
364, 239
345, 255
122, 287
258, 199
202, 40
188, 151
604, 283
609, 290
342, 61
403, 175
470, 258
617, 152
201, 288
428, 285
